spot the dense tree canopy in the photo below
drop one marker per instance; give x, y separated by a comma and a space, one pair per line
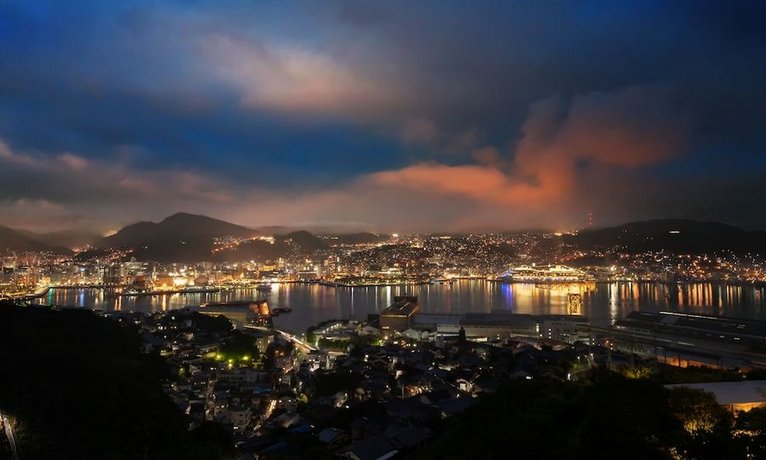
608, 416
80, 388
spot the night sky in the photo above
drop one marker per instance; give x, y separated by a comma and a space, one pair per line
388, 116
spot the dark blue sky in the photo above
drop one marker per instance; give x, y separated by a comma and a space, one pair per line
382, 115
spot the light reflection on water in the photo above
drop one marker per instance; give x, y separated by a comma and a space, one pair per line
603, 303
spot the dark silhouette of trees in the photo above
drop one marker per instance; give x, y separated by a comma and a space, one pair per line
609, 416
81, 389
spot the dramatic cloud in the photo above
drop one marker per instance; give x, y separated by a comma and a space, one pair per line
414, 115
66, 190
100, 196
626, 129
423, 132
293, 79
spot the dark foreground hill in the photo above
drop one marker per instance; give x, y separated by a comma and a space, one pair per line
79, 388
607, 416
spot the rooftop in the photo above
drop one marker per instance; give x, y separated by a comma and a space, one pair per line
402, 306
712, 324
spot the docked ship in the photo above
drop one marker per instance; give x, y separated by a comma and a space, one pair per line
152, 292
199, 289
26, 294
277, 310
544, 274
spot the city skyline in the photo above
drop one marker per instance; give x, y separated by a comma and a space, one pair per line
367, 116
373, 230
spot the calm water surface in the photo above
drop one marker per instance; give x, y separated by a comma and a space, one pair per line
603, 302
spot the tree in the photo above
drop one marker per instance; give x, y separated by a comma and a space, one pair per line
707, 425
628, 416
523, 419
81, 388
697, 410
340, 380
239, 346
751, 432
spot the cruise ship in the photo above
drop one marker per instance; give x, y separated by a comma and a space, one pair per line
544, 274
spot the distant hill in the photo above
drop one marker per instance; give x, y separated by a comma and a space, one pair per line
66, 238
188, 238
677, 235
16, 240
275, 230
304, 240
178, 226
300, 242
362, 238
181, 237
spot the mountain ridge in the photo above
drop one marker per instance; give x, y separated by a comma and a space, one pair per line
179, 225
12, 240
682, 235
189, 237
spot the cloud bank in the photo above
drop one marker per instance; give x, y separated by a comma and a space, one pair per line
417, 116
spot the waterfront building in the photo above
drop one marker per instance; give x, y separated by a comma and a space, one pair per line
398, 316
502, 325
684, 339
253, 313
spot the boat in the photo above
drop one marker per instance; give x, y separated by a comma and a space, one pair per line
263, 288
134, 293
544, 275
233, 303
25, 295
442, 281
199, 289
147, 292
277, 310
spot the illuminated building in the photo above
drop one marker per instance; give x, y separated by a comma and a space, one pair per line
684, 339
563, 328
253, 313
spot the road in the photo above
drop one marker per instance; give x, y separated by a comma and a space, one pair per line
290, 337
10, 435
296, 340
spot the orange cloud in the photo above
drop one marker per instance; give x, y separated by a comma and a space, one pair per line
481, 183
624, 129
629, 128
570, 158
